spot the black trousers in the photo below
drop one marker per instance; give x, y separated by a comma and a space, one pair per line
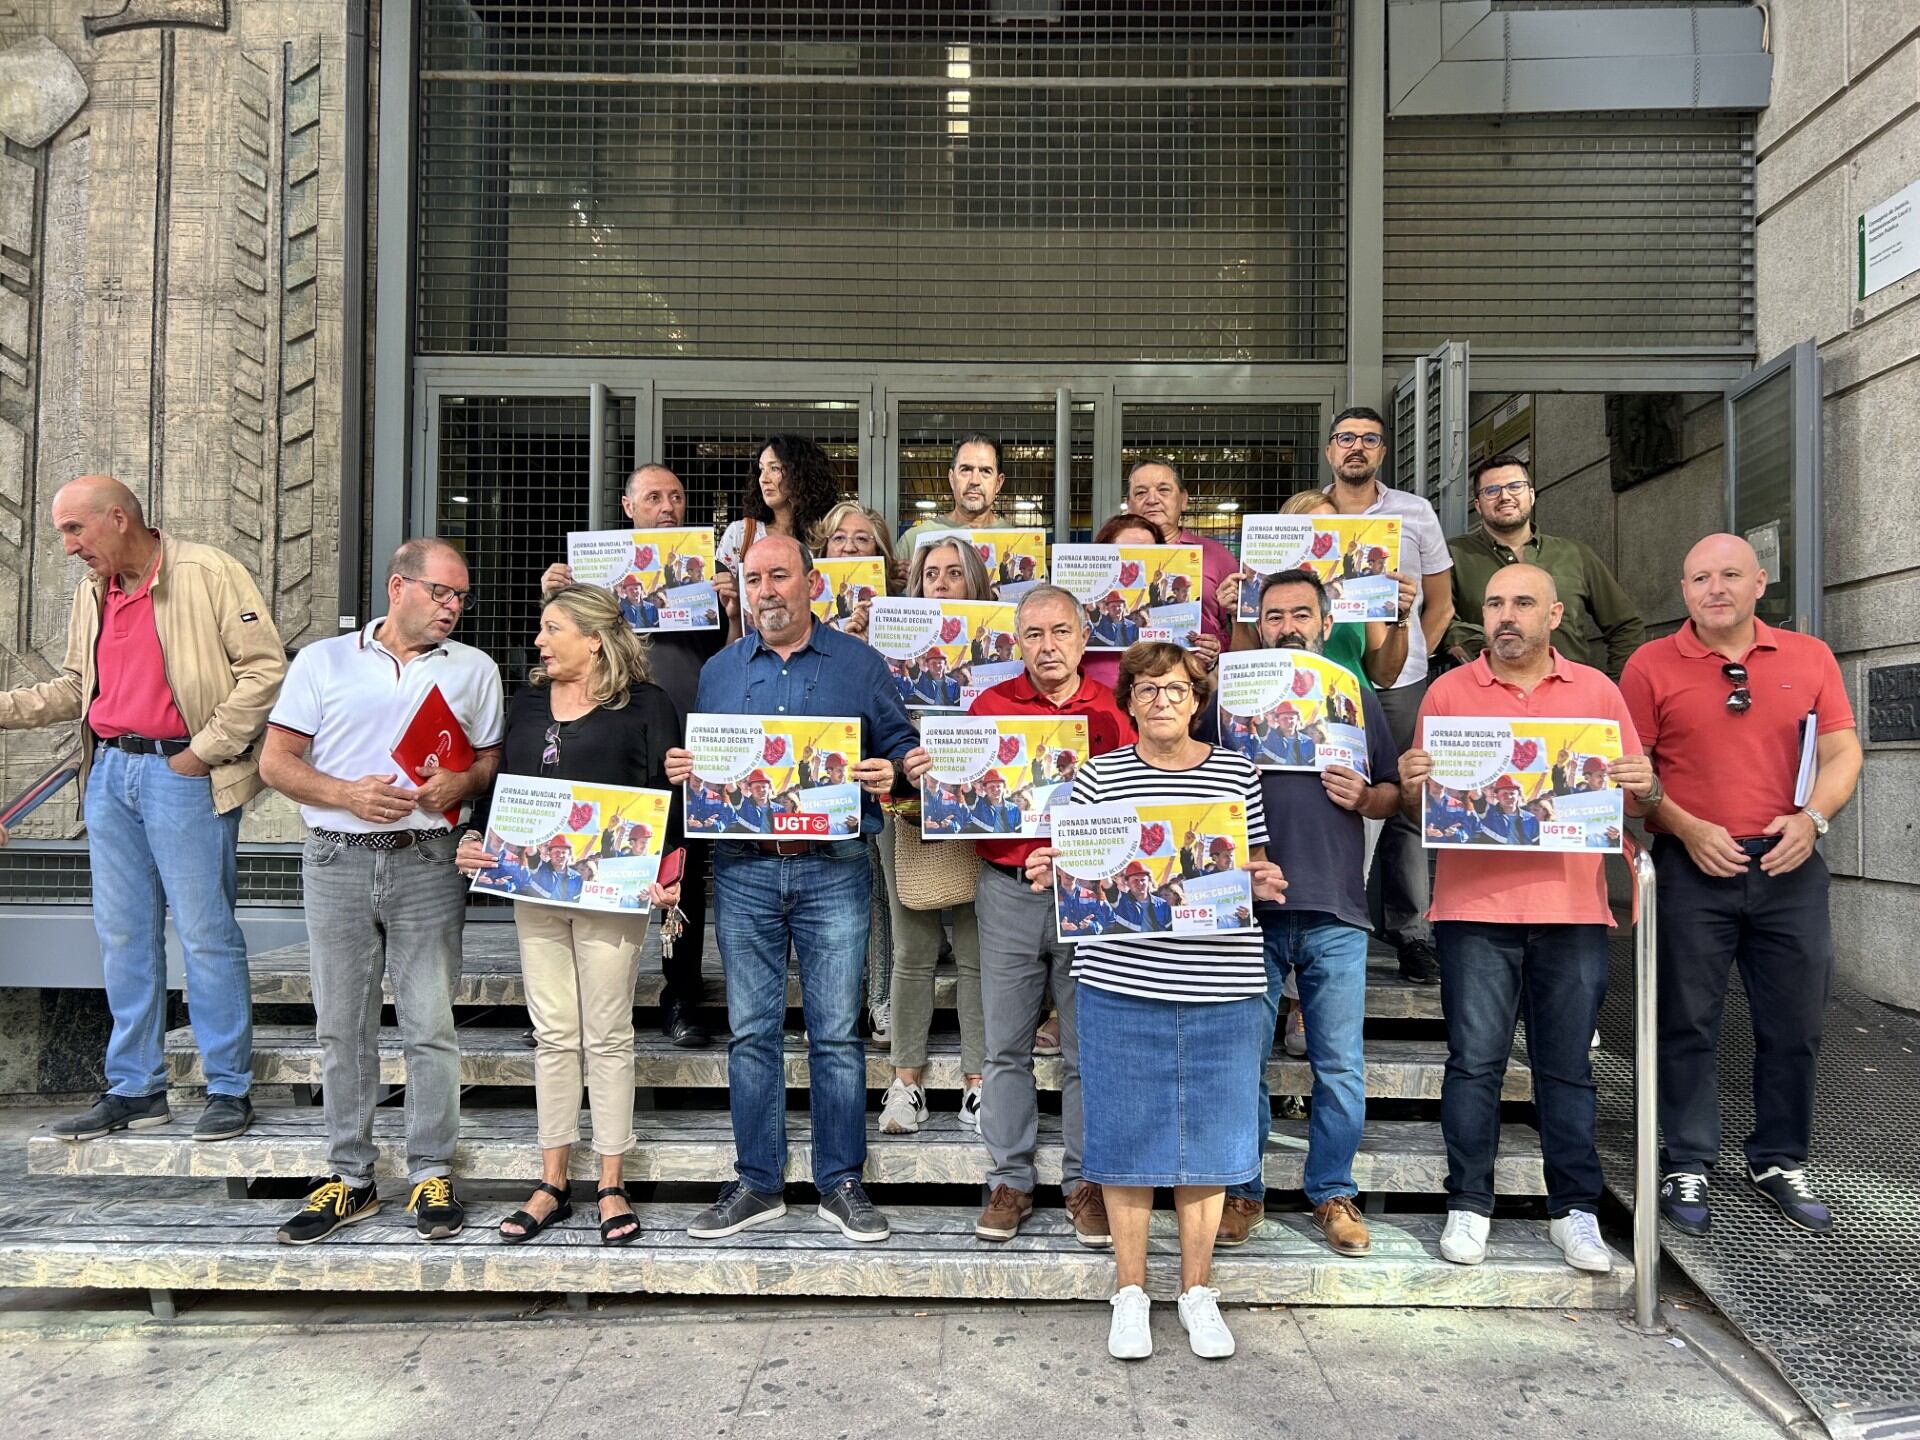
684, 986
1776, 929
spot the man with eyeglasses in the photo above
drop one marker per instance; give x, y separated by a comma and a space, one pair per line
1722, 704
1602, 627
382, 895
1397, 887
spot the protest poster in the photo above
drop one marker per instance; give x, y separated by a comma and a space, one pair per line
1291, 710
942, 653
561, 842
996, 774
1133, 592
663, 579
775, 777
1352, 555
841, 586
1543, 784
1150, 868
1016, 559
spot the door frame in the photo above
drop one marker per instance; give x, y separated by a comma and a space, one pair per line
1802, 364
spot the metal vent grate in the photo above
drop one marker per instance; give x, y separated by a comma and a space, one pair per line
65, 877
1008, 181
1235, 459
1026, 434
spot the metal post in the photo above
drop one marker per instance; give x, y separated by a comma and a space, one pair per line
596, 452
1646, 1156
1062, 463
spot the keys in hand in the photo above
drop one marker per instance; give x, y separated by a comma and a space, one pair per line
673, 924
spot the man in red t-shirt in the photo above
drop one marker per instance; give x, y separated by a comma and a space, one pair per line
1722, 706
1020, 956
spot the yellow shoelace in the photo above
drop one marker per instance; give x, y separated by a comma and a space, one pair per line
330, 1196
435, 1188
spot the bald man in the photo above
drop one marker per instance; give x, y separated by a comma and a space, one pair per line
1522, 928
1723, 705
172, 664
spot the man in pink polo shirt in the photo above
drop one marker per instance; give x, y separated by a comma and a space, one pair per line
1520, 927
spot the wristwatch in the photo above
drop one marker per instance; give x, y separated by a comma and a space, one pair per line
1820, 826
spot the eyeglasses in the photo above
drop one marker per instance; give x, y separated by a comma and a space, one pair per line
1741, 700
1346, 440
442, 594
550, 756
1175, 692
1512, 487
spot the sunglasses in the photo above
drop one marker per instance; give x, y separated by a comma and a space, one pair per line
550, 756
1741, 700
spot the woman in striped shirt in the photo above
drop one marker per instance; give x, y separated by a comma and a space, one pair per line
1173, 1028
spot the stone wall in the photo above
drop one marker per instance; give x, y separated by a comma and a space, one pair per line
1843, 134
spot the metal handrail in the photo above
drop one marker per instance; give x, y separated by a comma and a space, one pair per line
1646, 1119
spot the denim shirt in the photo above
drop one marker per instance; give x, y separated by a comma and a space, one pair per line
831, 674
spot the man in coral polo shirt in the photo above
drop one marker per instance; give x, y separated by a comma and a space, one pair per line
1721, 705
1526, 928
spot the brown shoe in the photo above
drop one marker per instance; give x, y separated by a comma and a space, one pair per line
1239, 1218
1340, 1222
1088, 1206
1006, 1208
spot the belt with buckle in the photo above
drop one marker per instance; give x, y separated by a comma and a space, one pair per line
141, 745
1758, 844
784, 847
1012, 872
380, 839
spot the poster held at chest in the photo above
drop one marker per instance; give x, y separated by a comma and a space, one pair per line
1148, 867
1133, 592
586, 847
942, 653
1538, 784
996, 774
773, 778
663, 579
841, 586
1291, 710
1352, 555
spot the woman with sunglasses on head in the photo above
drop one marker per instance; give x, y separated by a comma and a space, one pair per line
792, 490
589, 714
851, 531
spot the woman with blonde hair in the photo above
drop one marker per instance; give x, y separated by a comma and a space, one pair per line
849, 531
589, 714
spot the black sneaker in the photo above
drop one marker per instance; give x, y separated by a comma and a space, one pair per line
436, 1210
115, 1112
225, 1117
1789, 1190
681, 1029
847, 1206
1419, 964
332, 1205
737, 1209
1683, 1202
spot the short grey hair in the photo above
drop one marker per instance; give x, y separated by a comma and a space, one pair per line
1040, 594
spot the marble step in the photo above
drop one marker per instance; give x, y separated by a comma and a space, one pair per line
490, 975
933, 1254
1396, 1157
289, 1055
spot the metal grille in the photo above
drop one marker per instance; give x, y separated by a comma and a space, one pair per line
1839, 1314
1627, 232
1026, 434
714, 446
1016, 180
64, 877
1235, 459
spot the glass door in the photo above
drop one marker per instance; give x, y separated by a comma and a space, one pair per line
1047, 486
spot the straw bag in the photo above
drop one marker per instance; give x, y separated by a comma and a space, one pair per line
931, 874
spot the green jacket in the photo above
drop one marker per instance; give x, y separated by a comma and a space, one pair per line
1601, 627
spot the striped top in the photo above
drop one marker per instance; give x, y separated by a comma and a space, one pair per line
1228, 965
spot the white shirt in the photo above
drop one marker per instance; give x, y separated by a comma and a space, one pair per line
350, 697
1423, 551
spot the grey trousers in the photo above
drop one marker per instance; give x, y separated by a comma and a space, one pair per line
1399, 883
1019, 961
396, 913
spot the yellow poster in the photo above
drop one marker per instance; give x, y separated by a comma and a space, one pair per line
559, 842
997, 774
1133, 592
663, 579
774, 777
1016, 559
1353, 556
1151, 868
942, 653
841, 587
1543, 784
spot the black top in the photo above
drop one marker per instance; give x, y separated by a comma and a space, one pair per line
676, 657
627, 746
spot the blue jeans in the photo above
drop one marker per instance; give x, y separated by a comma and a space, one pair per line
1556, 976
155, 841
815, 904
1329, 958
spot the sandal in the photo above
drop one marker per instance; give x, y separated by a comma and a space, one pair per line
610, 1223
529, 1226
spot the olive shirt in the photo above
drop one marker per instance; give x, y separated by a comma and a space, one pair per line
1602, 627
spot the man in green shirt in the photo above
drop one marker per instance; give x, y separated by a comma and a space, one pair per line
975, 477
1601, 628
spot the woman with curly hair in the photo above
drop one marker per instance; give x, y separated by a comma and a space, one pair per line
794, 490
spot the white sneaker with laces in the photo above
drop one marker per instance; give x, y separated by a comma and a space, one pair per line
1464, 1241
1577, 1233
1130, 1337
883, 1022
1207, 1333
905, 1109
970, 1107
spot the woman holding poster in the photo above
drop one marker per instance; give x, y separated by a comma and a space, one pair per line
1173, 1027
589, 715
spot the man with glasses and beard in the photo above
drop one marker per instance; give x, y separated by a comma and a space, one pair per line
1602, 627
1721, 705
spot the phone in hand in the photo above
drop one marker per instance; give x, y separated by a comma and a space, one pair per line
672, 866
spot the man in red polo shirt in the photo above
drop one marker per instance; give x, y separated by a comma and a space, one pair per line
1722, 705
1020, 958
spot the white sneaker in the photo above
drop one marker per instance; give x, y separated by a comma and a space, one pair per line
1577, 1233
882, 1022
1207, 1333
905, 1109
970, 1107
1130, 1337
1594, 1044
1464, 1241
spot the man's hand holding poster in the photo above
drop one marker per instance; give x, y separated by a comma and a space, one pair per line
1542, 784
663, 579
559, 842
772, 778
1291, 710
1150, 868
1133, 592
996, 775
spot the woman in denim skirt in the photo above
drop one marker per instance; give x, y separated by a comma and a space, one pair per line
1173, 1029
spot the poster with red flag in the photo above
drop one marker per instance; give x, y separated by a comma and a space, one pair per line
431, 740
1150, 867
777, 777
996, 775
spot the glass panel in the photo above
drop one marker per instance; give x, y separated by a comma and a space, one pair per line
1026, 435
1763, 486
714, 446
1235, 459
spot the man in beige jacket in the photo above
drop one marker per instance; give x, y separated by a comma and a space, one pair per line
172, 664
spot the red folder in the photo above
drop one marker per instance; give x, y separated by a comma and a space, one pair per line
431, 740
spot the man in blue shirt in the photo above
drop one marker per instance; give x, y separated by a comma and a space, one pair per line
1448, 817
507, 874
555, 877
810, 897
1506, 823
943, 814
933, 686
753, 814
991, 812
1286, 743
1111, 627
707, 808
1138, 908
1083, 912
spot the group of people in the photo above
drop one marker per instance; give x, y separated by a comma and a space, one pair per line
189, 707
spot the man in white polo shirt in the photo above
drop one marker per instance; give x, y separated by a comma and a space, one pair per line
382, 894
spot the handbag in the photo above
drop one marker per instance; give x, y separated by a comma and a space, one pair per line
931, 874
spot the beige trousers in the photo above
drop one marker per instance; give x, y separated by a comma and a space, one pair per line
580, 967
